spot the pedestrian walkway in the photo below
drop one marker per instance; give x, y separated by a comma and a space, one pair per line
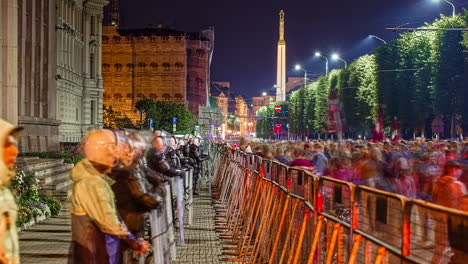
202, 241
48, 242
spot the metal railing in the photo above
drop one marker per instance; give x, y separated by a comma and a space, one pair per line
271, 213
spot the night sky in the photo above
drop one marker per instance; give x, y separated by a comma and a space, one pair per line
246, 32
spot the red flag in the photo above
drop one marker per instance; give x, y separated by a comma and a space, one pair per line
335, 124
395, 130
379, 134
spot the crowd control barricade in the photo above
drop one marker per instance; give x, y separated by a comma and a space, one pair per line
437, 234
379, 218
334, 202
302, 183
279, 173
280, 214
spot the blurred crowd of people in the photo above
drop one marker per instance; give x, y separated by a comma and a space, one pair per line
115, 187
432, 171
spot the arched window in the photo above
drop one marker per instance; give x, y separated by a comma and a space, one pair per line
141, 65
105, 39
201, 52
166, 97
105, 66
116, 39
166, 65
117, 96
154, 65
140, 96
130, 66
129, 96
178, 96
153, 96
179, 65
118, 66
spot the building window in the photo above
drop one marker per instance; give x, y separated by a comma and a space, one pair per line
117, 96
166, 65
77, 114
105, 39
118, 66
141, 65
201, 52
178, 96
93, 112
116, 39
105, 66
93, 25
179, 65
153, 96
141, 96
129, 96
130, 66
166, 97
92, 66
154, 65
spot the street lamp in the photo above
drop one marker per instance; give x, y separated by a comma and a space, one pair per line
337, 57
450, 3
374, 36
264, 94
298, 68
317, 54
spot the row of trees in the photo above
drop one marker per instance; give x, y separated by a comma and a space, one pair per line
414, 78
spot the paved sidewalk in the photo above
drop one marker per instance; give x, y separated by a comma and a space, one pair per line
48, 242
202, 242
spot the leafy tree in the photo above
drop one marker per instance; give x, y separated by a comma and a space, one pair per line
163, 113
321, 105
115, 119
144, 106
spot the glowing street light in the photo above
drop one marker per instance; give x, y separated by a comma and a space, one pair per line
264, 94
318, 54
374, 36
450, 3
299, 68
337, 57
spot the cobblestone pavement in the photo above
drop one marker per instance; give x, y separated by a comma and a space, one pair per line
202, 242
48, 242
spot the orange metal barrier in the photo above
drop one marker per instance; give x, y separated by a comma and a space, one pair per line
436, 234
270, 213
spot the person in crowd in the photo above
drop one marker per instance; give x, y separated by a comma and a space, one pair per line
299, 161
341, 167
9, 247
448, 191
319, 159
96, 227
280, 157
267, 152
405, 180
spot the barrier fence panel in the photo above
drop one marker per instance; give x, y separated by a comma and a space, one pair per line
334, 202
437, 234
302, 183
266, 169
279, 173
270, 213
379, 216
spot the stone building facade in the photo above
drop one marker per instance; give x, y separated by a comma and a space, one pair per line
52, 86
9, 56
79, 79
158, 63
35, 73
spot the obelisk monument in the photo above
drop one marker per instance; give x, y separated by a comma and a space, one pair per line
281, 71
